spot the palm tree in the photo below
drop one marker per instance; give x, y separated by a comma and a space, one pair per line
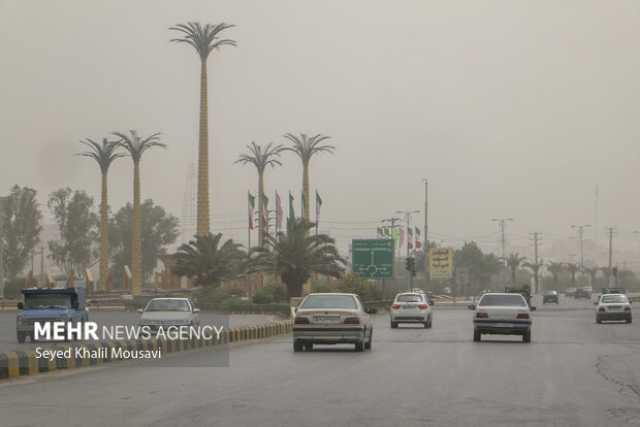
513, 263
104, 154
136, 147
555, 268
535, 269
261, 158
208, 262
573, 269
204, 39
306, 147
296, 255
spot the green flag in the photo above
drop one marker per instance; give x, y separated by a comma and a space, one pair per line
292, 214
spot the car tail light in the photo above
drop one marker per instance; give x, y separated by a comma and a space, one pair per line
522, 316
352, 321
395, 306
482, 315
627, 309
423, 306
601, 310
301, 321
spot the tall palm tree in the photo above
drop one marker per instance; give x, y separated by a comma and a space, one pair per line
104, 154
535, 269
204, 39
208, 262
261, 157
513, 263
136, 147
296, 255
555, 268
573, 269
306, 147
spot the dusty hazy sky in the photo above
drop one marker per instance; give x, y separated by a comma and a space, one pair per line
509, 108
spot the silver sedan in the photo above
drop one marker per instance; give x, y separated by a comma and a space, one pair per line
332, 318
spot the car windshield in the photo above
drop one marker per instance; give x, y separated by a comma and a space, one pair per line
613, 299
502, 300
409, 298
330, 301
47, 301
167, 305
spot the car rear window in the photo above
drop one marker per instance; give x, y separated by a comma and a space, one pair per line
330, 301
613, 298
508, 300
167, 305
409, 298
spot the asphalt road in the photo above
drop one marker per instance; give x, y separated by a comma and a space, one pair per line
574, 373
8, 340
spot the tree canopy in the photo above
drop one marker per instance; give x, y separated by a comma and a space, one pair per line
159, 230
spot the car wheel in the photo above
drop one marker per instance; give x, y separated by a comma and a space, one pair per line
430, 322
526, 337
598, 320
21, 338
369, 343
629, 319
297, 346
308, 347
394, 325
476, 335
359, 347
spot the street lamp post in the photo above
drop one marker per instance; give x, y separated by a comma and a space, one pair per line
580, 231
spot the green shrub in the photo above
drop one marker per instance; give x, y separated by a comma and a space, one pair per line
263, 296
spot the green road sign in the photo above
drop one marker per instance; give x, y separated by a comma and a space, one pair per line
373, 258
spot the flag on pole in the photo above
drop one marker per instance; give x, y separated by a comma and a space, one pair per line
318, 205
279, 211
418, 240
409, 237
252, 207
292, 213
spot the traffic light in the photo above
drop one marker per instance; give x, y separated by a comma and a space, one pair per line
411, 265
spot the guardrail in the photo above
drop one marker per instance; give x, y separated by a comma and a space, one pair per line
20, 363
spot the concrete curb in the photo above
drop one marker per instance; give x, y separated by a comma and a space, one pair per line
20, 363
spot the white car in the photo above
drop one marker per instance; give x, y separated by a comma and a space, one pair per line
613, 307
332, 318
502, 314
411, 307
167, 312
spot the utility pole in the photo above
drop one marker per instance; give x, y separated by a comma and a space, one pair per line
610, 231
501, 225
580, 230
536, 239
407, 215
426, 233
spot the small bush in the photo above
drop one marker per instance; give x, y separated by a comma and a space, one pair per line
263, 296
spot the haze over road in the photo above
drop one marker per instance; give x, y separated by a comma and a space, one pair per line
575, 373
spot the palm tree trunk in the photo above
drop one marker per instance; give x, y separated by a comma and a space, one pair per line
104, 236
203, 157
261, 221
136, 243
305, 190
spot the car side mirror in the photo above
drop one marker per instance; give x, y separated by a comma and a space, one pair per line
196, 310
533, 308
20, 306
139, 310
471, 306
